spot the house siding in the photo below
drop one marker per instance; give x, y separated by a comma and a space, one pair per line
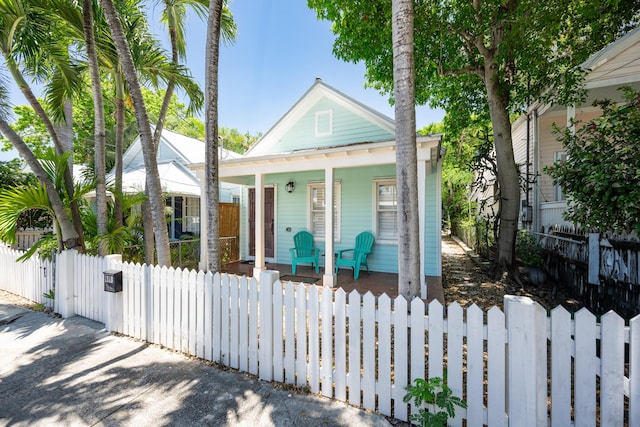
348, 128
357, 195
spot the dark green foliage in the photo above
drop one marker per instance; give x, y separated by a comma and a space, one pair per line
528, 250
440, 401
601, 176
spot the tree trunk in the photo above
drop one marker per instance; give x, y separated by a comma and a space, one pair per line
119, 113
146, 139
507, 170
406, 154
57, 143
68, 232
211, 135
99, 125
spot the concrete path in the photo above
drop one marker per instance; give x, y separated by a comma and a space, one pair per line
71, 372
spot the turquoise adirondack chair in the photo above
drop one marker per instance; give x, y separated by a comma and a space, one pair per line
357, 256
304, 250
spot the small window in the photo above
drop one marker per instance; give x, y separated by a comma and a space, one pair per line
236, 200
316, 216
324, 123
558, 194
386, 210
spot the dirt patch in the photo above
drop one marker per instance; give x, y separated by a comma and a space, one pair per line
466, 279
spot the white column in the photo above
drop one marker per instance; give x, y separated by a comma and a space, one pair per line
329, 277
422, 176
259, 265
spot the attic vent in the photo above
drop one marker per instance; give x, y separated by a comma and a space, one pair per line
324, 123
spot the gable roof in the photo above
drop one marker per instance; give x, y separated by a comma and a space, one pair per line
173, 147
345, 114
605, 65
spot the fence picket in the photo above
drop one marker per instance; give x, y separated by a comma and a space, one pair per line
225, 348
314, 340
199, 329
475, 366
301, 335
496, 415
290, 336
400, 357
234, 325
561, 344
369, 351
436, 340
585, 369
383, 385
340, 345
208, 316
327, 341
455, 329
189, 277
243, 291
278, 335
157, 304
253, 327
181, 322
634, 372
612, 370
217, 329
417, 343
353, 377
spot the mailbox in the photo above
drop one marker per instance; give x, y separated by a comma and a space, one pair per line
113, 281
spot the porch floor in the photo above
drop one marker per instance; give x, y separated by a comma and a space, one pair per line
375, 282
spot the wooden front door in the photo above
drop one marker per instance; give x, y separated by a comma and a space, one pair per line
269, 241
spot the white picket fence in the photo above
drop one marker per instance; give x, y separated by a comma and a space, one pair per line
31, 278
517, 368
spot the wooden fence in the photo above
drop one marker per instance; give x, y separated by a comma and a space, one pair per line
521, 367
603, 269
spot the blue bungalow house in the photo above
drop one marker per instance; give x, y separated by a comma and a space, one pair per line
329, 146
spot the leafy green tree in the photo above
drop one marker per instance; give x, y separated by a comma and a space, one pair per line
492, 56
601, 176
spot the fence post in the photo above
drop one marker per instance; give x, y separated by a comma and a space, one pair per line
64, 296
526, 362
265, 355
113, 321
594, 258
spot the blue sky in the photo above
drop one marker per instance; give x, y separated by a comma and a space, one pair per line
281, 48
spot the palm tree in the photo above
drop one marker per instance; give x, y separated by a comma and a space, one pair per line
26, 30
406, 154
211, 134
144, 128
99, 123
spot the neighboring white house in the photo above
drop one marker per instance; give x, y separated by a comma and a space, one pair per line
180, 183
329, 146
615, 66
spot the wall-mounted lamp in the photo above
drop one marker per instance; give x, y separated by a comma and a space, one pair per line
290, 186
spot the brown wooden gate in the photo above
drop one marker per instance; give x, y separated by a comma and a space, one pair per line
229, 214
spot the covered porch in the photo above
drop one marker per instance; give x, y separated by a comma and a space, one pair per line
375, 282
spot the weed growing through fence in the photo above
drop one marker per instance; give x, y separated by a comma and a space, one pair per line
438, 398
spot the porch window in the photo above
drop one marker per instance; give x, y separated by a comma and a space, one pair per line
191, 222
386, 210
316, 223
558, 194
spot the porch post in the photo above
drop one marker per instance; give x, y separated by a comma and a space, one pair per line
422, 176
329, 277
259, 265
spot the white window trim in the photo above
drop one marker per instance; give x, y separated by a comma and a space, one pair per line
319, 118
337, 186
558, 194
374, 227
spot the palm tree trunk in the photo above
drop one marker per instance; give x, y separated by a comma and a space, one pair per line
406, 154
120, 124
68, 232
59, 146
144, 128
211, 135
